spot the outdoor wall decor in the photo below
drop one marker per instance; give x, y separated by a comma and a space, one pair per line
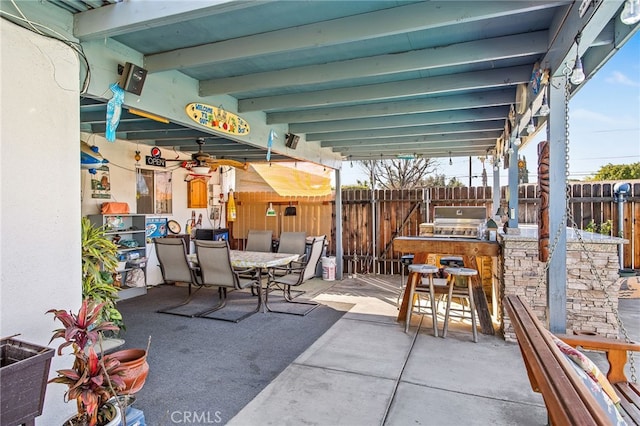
100, 184
217, 118
543, 213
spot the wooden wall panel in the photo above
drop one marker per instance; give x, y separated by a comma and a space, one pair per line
313, 215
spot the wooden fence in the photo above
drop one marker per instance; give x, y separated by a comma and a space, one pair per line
371, 220
391, 213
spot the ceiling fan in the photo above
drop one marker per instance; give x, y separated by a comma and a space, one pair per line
202, 162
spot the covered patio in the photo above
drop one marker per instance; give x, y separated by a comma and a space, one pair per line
354, 81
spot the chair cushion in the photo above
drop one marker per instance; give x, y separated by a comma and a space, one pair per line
588, 367
594, 380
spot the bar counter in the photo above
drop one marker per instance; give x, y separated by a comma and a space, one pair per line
468, 248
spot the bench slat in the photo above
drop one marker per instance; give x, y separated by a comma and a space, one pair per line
629, 394
568, 402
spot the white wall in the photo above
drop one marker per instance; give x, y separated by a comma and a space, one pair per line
40, 265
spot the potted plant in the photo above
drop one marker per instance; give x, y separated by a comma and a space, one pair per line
99, 263
93, 380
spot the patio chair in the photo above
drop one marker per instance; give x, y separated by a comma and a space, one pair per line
214, 260
175, 267
259, 240
294, 243
299, 273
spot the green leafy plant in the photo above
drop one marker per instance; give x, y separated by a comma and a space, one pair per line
99, 263
605, 227
591, 226
93, 380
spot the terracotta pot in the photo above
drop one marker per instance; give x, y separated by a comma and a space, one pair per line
136, 369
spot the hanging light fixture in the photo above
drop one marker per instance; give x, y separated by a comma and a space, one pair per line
531, 127
450, 160
201, 170
631, 12
577, 73
544, 108
517, 141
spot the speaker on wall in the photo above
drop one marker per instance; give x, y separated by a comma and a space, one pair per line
132, 78
291, 141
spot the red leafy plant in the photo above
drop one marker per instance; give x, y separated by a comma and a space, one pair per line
93, 379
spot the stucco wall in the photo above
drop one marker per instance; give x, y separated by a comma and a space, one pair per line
39, 180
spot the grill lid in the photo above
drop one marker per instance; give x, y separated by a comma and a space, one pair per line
458, 221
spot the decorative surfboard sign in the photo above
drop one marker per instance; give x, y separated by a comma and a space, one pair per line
217, 118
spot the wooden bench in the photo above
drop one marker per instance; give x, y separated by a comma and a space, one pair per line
568, 400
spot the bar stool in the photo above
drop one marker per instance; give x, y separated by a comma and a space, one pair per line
405, 260
418, 271
466, 292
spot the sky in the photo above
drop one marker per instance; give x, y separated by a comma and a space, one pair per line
604, 127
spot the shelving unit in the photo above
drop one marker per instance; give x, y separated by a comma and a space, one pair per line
128, 231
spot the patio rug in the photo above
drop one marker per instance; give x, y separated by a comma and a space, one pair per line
207, 369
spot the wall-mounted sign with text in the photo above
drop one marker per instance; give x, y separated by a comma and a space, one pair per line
217, 118
155, 158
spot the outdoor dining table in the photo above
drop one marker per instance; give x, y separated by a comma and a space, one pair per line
259, 260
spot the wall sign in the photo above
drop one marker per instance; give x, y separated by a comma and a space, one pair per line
155, 158
100, 184
156, 227
217, 118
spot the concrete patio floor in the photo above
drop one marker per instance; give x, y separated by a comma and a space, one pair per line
363, 370
366, 371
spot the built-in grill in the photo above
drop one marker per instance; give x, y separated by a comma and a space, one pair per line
458, 222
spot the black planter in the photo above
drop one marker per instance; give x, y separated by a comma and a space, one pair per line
24, 371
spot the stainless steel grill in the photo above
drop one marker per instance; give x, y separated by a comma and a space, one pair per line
458, 222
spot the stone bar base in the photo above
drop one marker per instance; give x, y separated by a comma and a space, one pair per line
592, 303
